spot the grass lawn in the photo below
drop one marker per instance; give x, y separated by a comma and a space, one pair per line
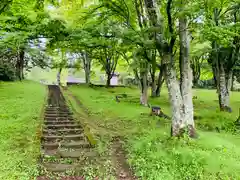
151, 153
20, 107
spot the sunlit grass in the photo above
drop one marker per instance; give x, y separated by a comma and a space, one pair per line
151, 153
20, 106
37, 74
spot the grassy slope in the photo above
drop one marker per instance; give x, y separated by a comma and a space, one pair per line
152, 154
20, 106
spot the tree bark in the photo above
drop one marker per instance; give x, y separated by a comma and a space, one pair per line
215, 76
186, 76
196, 70
18, 69
159, 88
229, 80
144, 89
22, 53
233, 79
137, 78
224, 85
108, 83
153, 86
153, 72
20, 64
160, 81
87, 76
87, 66
174, 97
59, 76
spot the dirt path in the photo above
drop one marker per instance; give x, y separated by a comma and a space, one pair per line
118, 154
64, 144
122, 169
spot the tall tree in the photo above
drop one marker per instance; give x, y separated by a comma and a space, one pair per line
180, 96
87, 59
221, 29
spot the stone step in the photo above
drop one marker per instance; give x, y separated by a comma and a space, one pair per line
72, 153
73, 144
57, 111
57, 115
66, 137
57, 108
62, 131
56, 167
59, 122
63, 177
58, 118
62, 126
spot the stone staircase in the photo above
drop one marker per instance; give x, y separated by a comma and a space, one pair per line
64, 145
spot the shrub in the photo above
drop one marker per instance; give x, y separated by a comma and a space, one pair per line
7, 72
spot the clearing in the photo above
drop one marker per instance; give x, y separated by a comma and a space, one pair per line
151, 153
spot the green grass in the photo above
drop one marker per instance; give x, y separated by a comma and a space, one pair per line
151, 152
20, 106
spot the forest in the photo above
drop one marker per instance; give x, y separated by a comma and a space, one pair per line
176, 110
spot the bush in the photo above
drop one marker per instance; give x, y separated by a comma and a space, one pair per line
221, 122
129, 81
7, 72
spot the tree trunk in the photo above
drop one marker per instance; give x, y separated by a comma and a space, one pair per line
20, 65
153, 86
144, 89
153, 72
159, 88
224, 88
196, 71
229, 80
214, 70
21, 58
108, 83
18, 69
137, 78
186, 76
160, 81
181, 96
87, 66
174, 97
233, 79
87, 69
59, 76
87, 77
